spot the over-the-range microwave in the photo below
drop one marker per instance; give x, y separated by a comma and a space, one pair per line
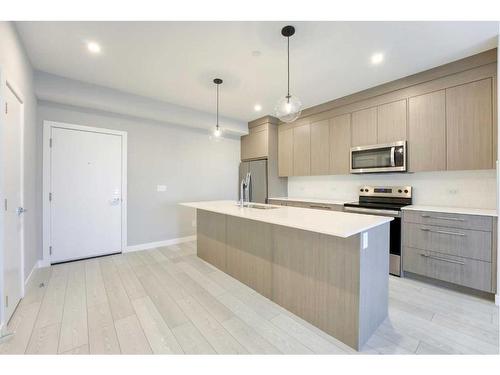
389, 157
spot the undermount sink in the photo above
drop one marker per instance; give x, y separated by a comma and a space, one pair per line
259, 206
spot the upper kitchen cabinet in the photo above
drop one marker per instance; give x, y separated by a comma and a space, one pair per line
469, 126
427, 132
446, 115
340, 144
302, 150
255, 144
391, 122
364, 127
320, 148
285, 152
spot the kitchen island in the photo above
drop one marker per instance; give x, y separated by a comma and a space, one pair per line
329, 268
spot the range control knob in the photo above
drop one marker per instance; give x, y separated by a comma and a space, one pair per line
361, 190
400, 191
406, 191
366, 190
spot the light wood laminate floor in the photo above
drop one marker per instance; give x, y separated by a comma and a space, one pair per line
167, 300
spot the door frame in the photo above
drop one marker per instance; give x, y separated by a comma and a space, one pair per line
46, 229
7, 84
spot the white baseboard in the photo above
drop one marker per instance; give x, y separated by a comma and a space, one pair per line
143, 246
152, 245
43, 263
37, 265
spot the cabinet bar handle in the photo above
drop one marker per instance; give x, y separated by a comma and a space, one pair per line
443, 217
317, 206
442, 259
443, 232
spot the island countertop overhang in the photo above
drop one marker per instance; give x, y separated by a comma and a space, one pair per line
333, 223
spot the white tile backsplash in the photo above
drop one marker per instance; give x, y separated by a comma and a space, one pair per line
449, 188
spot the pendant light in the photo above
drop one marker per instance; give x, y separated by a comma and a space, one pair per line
217, 130
288, 109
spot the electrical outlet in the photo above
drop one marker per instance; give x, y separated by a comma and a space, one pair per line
365, 240
161, 188
453, 191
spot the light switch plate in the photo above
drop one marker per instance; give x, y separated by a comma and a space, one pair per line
365, 240
161, 188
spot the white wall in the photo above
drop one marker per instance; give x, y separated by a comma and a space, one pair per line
187, 160
16, 66
450, 188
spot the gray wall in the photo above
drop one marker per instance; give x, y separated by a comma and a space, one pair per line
56, 89
15, 64
188, 161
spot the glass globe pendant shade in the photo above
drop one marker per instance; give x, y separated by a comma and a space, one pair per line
288, 109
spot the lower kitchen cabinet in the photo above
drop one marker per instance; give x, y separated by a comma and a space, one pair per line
471, 273
305, 204
455, 248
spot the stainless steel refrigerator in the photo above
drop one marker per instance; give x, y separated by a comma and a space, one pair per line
258, 180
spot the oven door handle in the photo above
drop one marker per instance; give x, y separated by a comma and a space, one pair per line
372, 211
393, 156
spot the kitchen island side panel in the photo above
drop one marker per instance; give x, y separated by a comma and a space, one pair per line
331, 282
211, 238
374, 282
316, 277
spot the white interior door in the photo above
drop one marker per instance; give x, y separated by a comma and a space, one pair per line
86, 195
12, 151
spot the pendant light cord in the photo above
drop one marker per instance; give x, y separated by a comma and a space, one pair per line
288, 69
217, 125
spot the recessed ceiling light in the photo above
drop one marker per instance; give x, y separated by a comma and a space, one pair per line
93, 47
257, 107
377, 58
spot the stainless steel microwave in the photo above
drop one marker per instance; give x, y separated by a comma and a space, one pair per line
389, 157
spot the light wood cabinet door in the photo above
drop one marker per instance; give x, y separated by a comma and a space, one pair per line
391, 122
340, 144
427, 132
285, 153
364, 127
302, 150
320, 148
469, 126
254, 145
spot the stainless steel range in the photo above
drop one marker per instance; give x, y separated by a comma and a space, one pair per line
385, 201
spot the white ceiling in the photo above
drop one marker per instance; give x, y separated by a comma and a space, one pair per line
177, 61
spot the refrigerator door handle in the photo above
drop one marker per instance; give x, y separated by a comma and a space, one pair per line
249, 179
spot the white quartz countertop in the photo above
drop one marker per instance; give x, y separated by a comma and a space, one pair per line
310, 200
333, 223
453, 210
